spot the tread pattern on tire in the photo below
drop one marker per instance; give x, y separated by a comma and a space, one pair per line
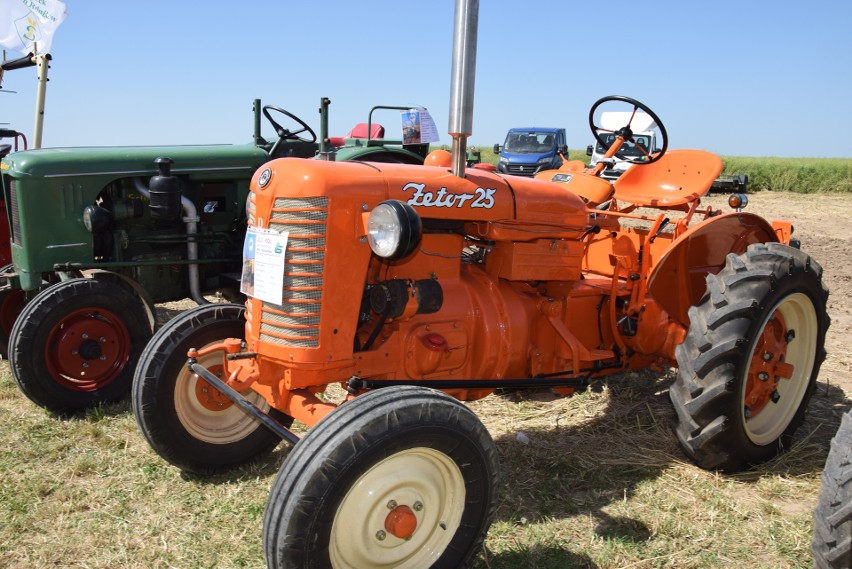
717, 341
832, 540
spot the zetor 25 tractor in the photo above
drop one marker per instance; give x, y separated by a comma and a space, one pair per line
414, 287
99, 235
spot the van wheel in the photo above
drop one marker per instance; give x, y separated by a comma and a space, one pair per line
76, 344
402, 477
749, 363
187, 421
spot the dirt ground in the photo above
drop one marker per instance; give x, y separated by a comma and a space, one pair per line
822, 224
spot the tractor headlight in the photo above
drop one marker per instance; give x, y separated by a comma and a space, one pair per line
393, 229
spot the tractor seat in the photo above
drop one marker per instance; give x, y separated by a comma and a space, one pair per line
678, 178
360, 131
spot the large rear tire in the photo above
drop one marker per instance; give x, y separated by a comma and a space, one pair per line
185, 420
76, 344
402, 477
749, 363
832, 542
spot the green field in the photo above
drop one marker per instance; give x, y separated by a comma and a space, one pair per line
800, 175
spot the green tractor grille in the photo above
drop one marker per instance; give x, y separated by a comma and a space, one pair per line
295, 323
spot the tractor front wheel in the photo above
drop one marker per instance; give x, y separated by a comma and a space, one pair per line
76, 344
186, 420
749, 363
403, 477
832, 542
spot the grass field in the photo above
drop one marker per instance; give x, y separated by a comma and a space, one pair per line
600, 483
800, 175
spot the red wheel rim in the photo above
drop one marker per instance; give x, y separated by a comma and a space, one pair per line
768, 366
87, 349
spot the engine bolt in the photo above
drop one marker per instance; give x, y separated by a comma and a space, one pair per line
381, 535
85, 336
102, 358
417, 506
790, 335
392, 504
775, 396
747, 412
102, 340
767, 356
85, 364
763, 376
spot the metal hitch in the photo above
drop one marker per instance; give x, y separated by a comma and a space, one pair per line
242, 402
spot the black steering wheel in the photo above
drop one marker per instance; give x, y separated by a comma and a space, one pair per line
285, 134
648, 155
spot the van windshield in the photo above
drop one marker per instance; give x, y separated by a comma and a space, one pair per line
530, 142
628, 149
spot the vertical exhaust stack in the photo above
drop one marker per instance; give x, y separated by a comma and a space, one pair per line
462, 82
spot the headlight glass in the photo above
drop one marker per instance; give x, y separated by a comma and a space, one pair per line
393, 229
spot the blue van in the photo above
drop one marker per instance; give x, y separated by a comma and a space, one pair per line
528, 151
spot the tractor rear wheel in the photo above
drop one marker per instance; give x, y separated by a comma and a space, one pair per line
749, 363
76, 344
832, 543
187, 421
403, 477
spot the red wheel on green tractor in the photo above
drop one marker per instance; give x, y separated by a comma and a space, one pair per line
750, 360
76, 344
187, 421
402, 477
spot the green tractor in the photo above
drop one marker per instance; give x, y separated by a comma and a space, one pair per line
100, 235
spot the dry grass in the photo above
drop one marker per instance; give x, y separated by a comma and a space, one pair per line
599, 481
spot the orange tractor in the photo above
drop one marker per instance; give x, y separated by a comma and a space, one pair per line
415, 287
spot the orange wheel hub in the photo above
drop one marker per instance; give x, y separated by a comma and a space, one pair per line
401, 522
210, 397
767, 367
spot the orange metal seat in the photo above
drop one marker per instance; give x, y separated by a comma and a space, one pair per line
678, 178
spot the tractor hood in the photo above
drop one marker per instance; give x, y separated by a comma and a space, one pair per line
132, 160
434, 192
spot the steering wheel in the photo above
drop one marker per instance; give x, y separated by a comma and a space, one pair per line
626, 133
285, 134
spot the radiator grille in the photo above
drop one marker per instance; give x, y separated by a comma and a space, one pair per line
13, 208
295, 323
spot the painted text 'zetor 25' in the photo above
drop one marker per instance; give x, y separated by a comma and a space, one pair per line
413, 288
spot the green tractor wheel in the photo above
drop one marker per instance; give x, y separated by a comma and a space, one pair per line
76, 344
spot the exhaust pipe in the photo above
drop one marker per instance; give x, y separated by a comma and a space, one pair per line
462, 81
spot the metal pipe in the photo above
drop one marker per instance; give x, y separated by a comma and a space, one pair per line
191, 220
462, 80
41, 61
242, 402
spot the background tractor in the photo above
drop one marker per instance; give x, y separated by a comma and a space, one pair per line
410, 288
99, 235
832, 541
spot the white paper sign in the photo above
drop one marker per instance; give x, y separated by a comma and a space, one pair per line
418, 127
263, 265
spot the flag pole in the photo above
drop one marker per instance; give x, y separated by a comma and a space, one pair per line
41, 61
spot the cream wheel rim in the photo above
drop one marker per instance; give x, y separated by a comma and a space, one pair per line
422, 481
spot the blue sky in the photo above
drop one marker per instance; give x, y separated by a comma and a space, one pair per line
747, 78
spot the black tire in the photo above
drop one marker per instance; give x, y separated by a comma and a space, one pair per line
769, 301
832, 543
199, 436
414, 453
76, 344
